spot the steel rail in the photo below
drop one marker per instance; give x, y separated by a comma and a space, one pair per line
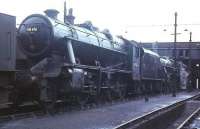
136, 122
188, 120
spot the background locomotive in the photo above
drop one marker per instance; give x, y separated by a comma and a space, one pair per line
7, 54
60, 61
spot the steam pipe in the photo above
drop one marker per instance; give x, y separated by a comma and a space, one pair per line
71, 52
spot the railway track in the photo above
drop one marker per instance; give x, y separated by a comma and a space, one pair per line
8, 113
28, 110
188, 121
151, 120
174, 116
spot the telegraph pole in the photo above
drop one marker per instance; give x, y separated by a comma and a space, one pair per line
190, 63
174, 54
175, 37
190, 37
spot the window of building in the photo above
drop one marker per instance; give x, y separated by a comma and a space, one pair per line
186, 53
180, 52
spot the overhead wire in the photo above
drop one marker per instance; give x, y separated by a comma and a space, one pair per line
162, 25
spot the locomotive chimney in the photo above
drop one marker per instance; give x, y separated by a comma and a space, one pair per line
53, 13
70, 18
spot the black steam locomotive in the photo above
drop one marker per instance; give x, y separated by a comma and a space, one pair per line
61, 61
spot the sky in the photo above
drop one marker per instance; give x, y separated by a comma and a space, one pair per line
140, 20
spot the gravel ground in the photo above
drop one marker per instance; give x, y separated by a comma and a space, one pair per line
99, 118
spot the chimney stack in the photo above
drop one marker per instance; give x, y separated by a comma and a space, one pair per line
53, 13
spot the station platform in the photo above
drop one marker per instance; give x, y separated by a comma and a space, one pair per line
106, 117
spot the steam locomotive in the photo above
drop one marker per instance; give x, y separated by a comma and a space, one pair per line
61, 61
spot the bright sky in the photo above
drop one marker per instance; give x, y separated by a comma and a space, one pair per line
131, 18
